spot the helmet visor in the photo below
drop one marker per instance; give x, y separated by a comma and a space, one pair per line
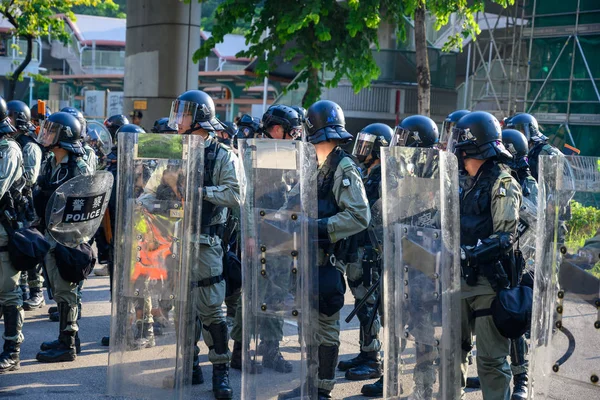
50, 133
458, 137
297, 133
446, 133
183, 113
363, 145
405, 138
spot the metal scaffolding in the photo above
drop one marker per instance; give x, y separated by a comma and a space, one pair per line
541, 57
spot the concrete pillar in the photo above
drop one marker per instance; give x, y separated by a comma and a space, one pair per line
162, 36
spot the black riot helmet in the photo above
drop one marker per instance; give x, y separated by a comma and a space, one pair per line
284, 116
196, 110
325, 121
248, 127
301, 112
79, 115
527, 125
161, 125
6, 128
20, 115
64, 130
131, 128
448, 124
516, 143
479, 136
370, 139
416, 131
113, 123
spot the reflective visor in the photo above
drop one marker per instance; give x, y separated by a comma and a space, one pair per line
363, 145
458, 137
405, 138
50, 133
182, 113
446, 133
297, 133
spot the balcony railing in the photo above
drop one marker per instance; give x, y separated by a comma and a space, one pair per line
103, 59
7, 49
400, 66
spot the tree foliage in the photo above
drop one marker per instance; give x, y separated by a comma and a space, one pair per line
38, 18
328, 35
116, 10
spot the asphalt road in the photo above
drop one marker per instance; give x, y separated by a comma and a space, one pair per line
86, 378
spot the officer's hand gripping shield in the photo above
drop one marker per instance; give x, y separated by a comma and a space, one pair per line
280, 293
565, 350
158, 213
75, 210
421, 277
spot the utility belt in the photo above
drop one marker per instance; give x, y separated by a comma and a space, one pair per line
344, 250
493, 271
213, 280
212, 230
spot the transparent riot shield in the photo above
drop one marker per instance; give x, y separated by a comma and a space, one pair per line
565, 350
157, 214
421, 278
75, 209
527, 237
98, 137
279, 291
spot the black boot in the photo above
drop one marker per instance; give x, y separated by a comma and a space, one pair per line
105, 341
373, 389
52, 310
144, 336
54, 317
520, 387
253, 367
55, 344
220, 378
197, 377
360, 359
473, 383
328, 357
13, 323
66, 338
273, 358
369, 369
25, 290
36, 299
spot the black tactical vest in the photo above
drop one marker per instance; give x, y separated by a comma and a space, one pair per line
372, 184
327, 205
476, 205
210, 157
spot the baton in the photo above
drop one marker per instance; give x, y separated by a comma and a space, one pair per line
363, 301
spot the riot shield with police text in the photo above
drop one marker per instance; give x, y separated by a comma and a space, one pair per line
565, 350
421, 275
74, 211
279, 206
157, 215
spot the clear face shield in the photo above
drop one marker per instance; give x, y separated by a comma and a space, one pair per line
405, 138
182, 115
446, 133
459, 135
297, 133
50, 133
363, 145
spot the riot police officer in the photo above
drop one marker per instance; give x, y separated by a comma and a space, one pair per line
363, 273
194, 113
516, 143
37, 117
61, 136
413, 131
448, 125
279, 122
11, 299
343, 212
490, 199
145, 334
538, 142
20, 117
90, 155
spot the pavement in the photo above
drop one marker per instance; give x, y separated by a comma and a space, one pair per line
86, 378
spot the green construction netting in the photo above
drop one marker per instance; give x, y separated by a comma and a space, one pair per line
586, 138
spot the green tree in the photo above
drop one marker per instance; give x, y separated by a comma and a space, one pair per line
104, 9
38, 18
334, 35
